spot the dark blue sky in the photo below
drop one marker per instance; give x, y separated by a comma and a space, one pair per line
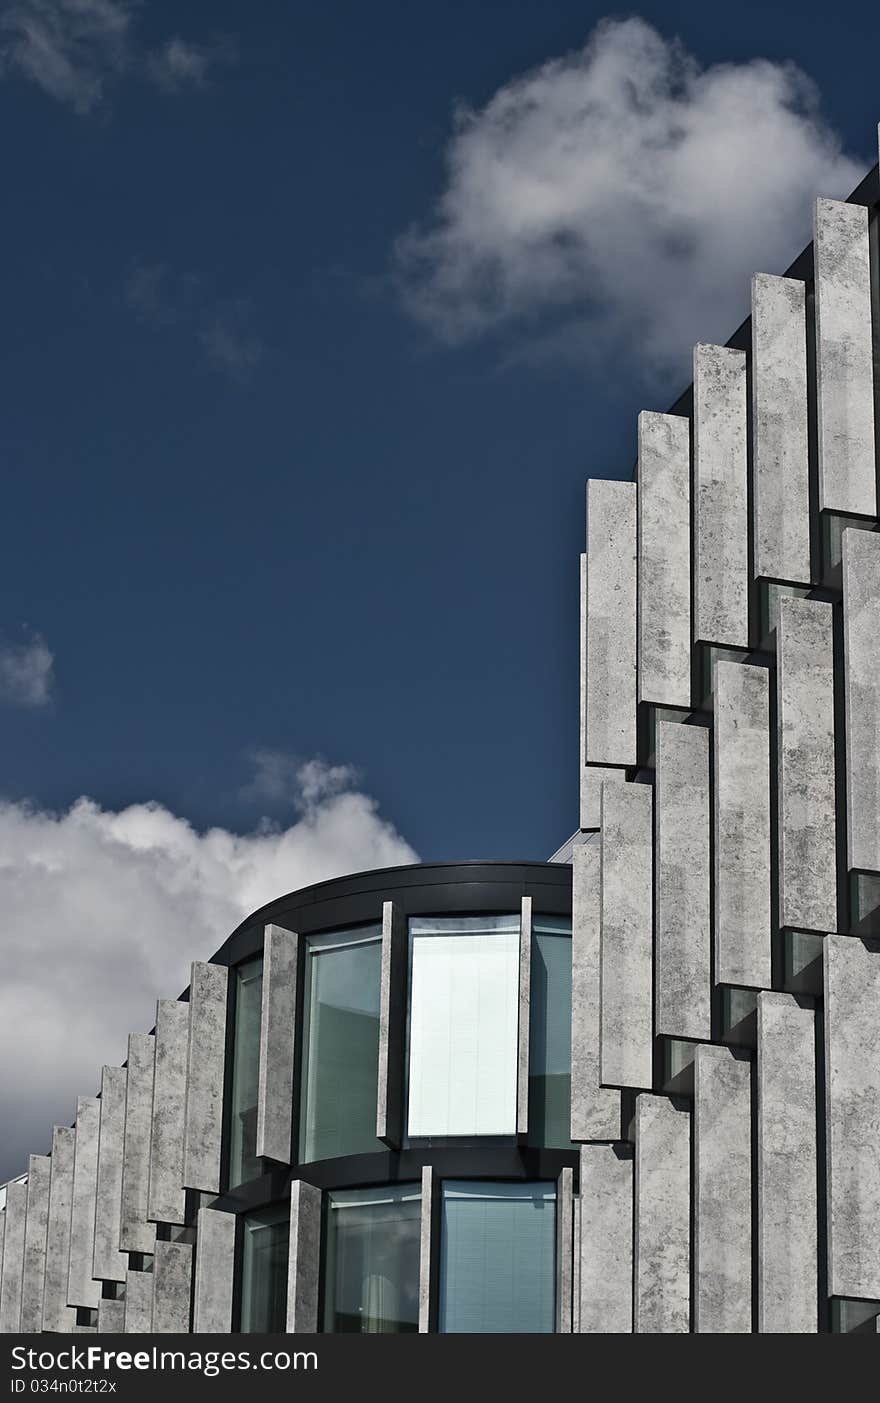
365, 545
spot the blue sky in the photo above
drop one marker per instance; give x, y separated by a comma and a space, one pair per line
295, 424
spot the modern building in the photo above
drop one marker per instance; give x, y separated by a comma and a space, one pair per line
632, 1089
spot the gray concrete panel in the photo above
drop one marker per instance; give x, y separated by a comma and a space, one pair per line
426, 1252
722, 1193
564, 1251
111, 1317
277, 1038
525, 988
109, 1263
664, 559
35, 1234
13, 1259
58, 1316
662, 1228
166, 1198
392, 1026
304, 1262
206, 1059
721, 565
136, 1233
172, 1288
861, 675
214, 1272
682, 949
82, 1289
610, 687
606, 1241
595, 1111
139, 1303
626, 987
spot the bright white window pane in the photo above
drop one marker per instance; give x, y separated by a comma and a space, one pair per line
498, 1258
463, 1026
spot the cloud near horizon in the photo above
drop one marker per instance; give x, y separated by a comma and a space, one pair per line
620, 198
103, 912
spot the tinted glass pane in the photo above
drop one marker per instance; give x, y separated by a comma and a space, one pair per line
498, 1258
550, 1034
371, 1264
341, 1046
248, 993
264, 1270
463, 1018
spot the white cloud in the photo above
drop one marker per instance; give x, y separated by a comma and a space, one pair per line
223, 328
181, 64
26, 673
102, 913
621, 197
280, 778
229, 342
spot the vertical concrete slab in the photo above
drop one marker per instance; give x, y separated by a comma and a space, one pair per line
627, 985
58, 1316
742, 825
592, 779
844, 359
610, 698
36, 1227
781, 487
595, 1111
722, 1193
111, 1317
214, 1273
682, 948
606, 1245
392, 1027
109, 1264
206, 1059
525, 988
592, 776
426, 1251
721, 563
806, 789
13, 1259
2, 1238
82, 1289
172, 1288
664, 549
166, 1198
139, 1303
564, 1250
861, 675
136, 1233
852, 1115
304, 1260
786, 1166
277, 1038
662, 1245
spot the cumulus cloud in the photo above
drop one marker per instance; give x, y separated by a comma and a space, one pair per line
103, 911
621, 196
26, 673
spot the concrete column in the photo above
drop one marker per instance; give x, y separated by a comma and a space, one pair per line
722, 1193
626, 1014
166, 1200
861, 675
664, 538
392, 1026
215, 1272
606, 1246
13, 1259
111, 1317
136, 1233
36, 1227
662, 1246
304, 1262
844, 359
2, 1237
592, 776
139, 1303
82, 1289
721, 573
805, 712
109, 1264
852, 1115
610, 700
58, 1317
172, 1288
781, 487
595, 1112
206, 1061
427, 1283
525, 988
742, 825
564, 1250
682, 951
787, 1198
277, 1038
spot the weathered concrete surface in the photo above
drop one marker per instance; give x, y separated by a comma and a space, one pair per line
137, 1234
722, 1193
206, 1058
606, 1245
82, 1289
58, 1316
595, 1111
682, 948
139, 1303
662, 1246
564, 1250
13, 1259
426, 1255
214, 1273
664, 559
111, 1317
523, 1021
33, 1282
172, 1288
626, 1012
610, 698
861, 647
109, 1264
304, 1262
721, 565
277, 1040
166, 1199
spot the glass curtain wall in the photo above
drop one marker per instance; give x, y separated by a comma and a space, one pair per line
341, 1044
264, 1270
247, 994
498, 1258
550, 1033
371, 1260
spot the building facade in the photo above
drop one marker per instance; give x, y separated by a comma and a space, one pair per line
633, 1089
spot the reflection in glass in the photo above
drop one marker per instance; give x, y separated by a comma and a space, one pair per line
371, 1262
247, 993
341, 1044
498, 1258
264, 1270
550, 1033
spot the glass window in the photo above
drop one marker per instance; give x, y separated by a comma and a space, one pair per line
264, 1270
463, 1018
248, 994
371, 1262
498, 1258
341, 1044
550, 1033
